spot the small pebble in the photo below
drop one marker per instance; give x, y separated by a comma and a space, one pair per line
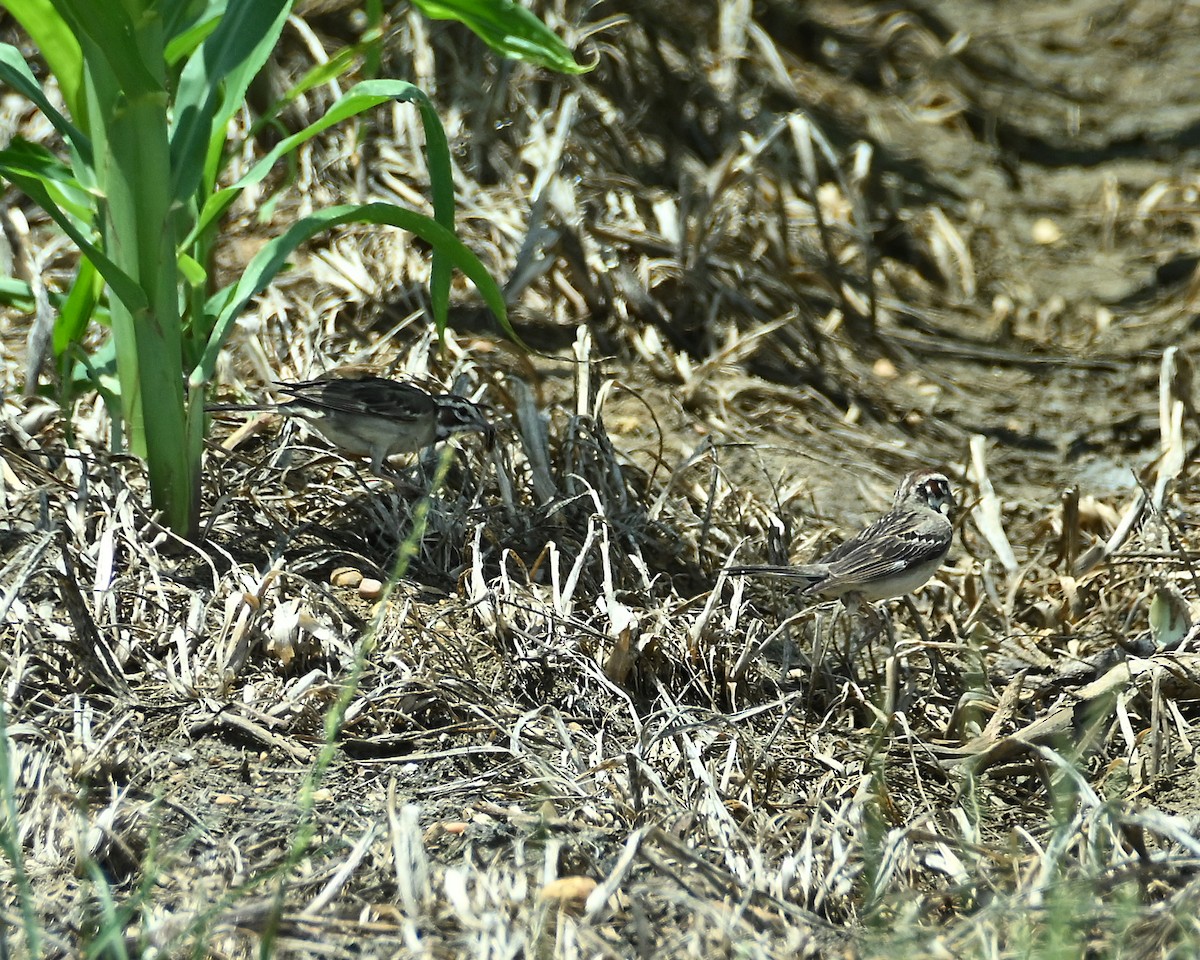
885, 369
1045, 231
346, 577
568, 891
370, 588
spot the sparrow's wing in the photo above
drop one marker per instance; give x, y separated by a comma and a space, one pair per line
895, 542
856, 543
362, 396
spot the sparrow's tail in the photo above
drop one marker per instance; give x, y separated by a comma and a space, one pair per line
810, 575
239, 407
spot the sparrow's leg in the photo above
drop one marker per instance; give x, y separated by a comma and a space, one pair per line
867, 621
384, 471
878, 622
936, 663
855, 637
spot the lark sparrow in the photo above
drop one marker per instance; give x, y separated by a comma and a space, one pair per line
368, 416
893, 556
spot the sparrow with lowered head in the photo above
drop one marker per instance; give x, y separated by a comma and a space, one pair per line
892, 557
368, 416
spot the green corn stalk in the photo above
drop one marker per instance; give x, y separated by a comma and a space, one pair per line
126, 89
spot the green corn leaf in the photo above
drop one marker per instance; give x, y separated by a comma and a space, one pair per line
16, 73
78, 308
114, 40
99, 370
58, 47
184, 43
339, 63
16, 293
41, 189
229, 303
60, 180
358, 99
508, 28
212, 86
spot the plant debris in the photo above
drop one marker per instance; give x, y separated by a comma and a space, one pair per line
771, 261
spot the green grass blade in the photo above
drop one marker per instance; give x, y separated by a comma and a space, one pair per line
272, 257
108, 940
10, 844
508, 28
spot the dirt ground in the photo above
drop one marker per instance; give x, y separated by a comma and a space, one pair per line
564, 733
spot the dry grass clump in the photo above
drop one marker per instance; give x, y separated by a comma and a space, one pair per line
561, 731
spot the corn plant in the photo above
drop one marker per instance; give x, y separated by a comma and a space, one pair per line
508, 28
150, 88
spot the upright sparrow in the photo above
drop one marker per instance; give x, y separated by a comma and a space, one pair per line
893, 556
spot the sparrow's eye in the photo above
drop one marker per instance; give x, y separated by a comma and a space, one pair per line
937, 489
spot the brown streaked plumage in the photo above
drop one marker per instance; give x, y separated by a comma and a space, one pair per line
893, 556
368, 416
